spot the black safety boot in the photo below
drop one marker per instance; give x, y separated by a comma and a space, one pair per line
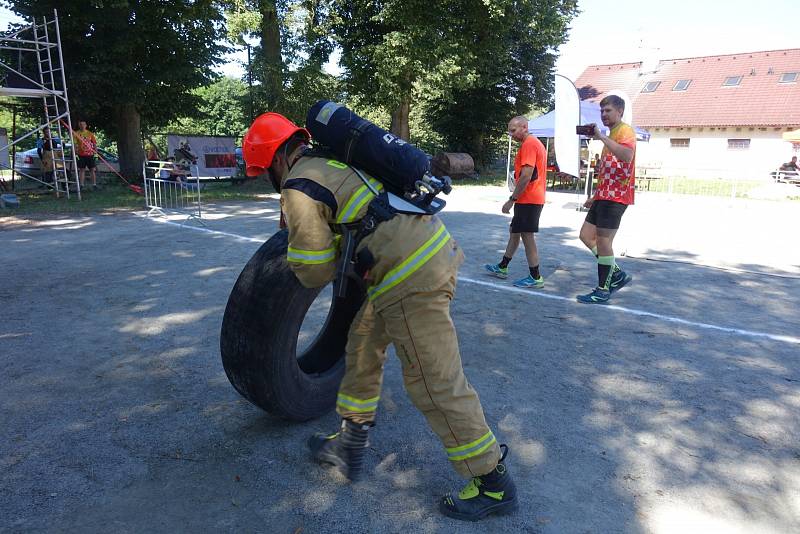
492, 493
345, 449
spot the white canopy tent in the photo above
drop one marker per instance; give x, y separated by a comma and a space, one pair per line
561, 127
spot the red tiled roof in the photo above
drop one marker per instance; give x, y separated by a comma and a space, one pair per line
759, 100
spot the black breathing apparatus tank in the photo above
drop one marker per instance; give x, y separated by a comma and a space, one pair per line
402, 168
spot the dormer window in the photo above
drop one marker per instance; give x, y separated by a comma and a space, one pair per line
788, 77
681, 85
650, 87
732, 81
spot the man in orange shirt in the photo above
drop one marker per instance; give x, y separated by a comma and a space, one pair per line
615, 188
530, 172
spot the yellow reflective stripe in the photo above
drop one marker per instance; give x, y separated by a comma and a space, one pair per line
311, 257
337, 164
412, 263
357, 405
362, 195
471, 449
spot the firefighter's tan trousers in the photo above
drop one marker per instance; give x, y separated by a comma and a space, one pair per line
424, 337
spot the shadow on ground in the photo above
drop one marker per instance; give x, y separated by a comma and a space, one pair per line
118, 414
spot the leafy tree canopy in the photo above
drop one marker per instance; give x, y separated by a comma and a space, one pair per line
507, 71
146, 52
483, 59
132, 60
222, 110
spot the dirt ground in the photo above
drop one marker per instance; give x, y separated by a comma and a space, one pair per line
676, 409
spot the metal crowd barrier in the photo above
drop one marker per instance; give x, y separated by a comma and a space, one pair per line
168, 190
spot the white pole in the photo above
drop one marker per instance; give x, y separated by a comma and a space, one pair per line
546, 161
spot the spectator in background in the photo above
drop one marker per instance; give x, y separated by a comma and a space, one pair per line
151, 152
44, 148
530, 173
169, 170
86, 147
791, 166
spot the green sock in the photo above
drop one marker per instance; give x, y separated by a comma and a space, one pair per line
605, 268
616, 268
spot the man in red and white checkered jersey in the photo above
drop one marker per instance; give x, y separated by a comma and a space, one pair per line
616, 176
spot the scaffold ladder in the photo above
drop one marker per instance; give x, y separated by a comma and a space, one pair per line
55, 101
43, 38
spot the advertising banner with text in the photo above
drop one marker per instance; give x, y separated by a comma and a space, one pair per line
216, 156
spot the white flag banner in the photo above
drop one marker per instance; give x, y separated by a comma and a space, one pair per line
567, 117
216, 156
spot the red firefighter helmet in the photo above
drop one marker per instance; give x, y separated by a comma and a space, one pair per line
265, 135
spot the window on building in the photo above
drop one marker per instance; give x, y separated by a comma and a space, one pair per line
732, 81
650, 87
738, 144
788, 77
679, 142
681, 85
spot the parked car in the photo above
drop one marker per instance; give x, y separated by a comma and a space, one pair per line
29, 163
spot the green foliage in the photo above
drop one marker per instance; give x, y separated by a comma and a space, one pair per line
382, 43
421, 132
463, 68
149, 53
470, 65
507, 71
304, 87
241, 20
304, 48
223, 109
25, 121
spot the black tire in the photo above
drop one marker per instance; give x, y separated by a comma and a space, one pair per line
259, 334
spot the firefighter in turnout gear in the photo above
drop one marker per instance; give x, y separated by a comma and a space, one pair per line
409, 265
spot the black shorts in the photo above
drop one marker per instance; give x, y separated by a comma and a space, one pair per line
606, 214
526, 218
86, 162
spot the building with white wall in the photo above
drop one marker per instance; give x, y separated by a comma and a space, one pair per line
714, 116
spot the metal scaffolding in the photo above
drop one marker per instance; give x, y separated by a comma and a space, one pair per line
40, 43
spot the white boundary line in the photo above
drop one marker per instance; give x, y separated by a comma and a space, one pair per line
640, 313
202, 229
538, 294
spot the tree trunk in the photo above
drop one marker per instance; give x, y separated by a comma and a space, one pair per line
129, 140
399, 125
479, 154
271, 50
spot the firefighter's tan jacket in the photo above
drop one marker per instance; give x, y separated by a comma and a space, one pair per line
412, 253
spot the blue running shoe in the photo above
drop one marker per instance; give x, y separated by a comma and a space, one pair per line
597, 296
531, 282
496, 270
619, 280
